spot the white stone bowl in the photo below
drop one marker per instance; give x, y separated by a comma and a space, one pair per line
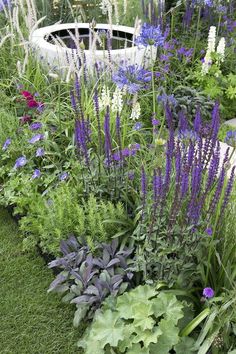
60, 56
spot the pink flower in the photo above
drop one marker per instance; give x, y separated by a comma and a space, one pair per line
27, 95
32, 103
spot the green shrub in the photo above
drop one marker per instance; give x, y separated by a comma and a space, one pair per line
61, 213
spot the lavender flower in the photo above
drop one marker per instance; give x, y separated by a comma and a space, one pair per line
81, 140
132, 77
197, 121
20, 162
40, 152
35, 126
150, 35
208, 293
36, 138
6, 144
36, 174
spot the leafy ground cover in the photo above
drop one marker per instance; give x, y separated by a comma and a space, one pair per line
31, 321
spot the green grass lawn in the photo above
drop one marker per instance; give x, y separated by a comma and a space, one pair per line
31, 321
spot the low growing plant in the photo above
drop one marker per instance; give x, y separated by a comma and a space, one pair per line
89, 280
142, 320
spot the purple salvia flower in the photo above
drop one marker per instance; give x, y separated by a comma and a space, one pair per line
108, 146
184, 183
77, 88
36, 174
169, 116
226, 157
213, 168
143, 189
96, 105
35, 126
36, 138
183, 123
197, 121
80, 139
6, 144
20, 162
178, 163
190, 156
228, 190
157, 187
40, 152
218, 192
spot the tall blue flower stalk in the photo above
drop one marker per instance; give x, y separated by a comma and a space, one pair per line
192, 170
108, 141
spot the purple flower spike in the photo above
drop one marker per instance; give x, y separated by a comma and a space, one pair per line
36, 138
36, 174
6, 144
40, 152
20, 162
35, 126
208, 293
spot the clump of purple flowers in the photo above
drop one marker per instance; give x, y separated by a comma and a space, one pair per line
192, 169
132, 77
150, 35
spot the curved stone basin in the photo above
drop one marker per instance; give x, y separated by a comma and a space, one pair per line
68, 52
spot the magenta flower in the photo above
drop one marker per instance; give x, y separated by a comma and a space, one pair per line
208, 293
27, 95
32, 103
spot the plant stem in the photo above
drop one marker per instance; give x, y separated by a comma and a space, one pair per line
153, 84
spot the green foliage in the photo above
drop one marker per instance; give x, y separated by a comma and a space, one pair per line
141, 320
223, 131
61, 212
